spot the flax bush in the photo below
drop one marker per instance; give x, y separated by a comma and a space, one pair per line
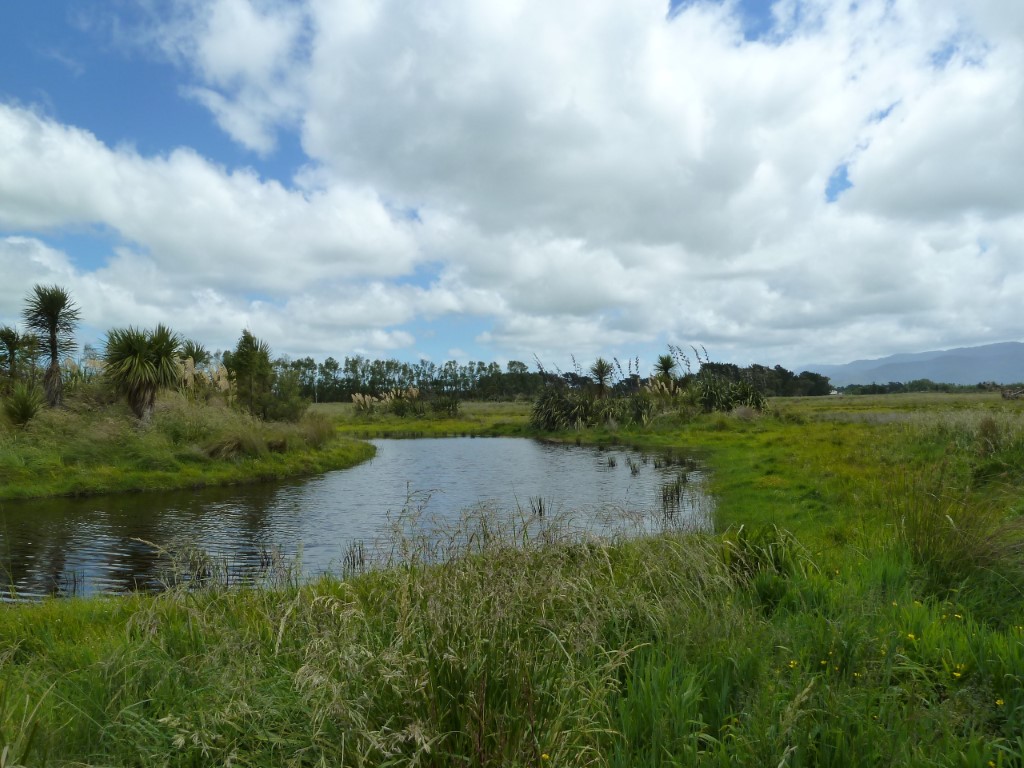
24, 402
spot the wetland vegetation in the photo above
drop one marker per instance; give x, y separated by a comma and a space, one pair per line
860, 604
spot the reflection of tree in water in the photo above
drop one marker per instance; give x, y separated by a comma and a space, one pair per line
33, 551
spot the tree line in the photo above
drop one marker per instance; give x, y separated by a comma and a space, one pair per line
332, 381
35, 365
920, 385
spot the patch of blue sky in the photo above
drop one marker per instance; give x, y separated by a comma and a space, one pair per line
424, 275
88, 248
74, 75
838, 183
965, 49
402, 212
880, 115
944, 54
756, 16
438, 338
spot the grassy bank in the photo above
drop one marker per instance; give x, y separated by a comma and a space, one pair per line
869, 611
474, 418
91, 447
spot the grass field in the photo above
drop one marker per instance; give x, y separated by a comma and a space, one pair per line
475, 418
860, 605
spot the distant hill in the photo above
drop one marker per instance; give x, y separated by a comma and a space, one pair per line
1002, 363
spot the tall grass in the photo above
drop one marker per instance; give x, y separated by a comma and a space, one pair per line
512, 649
818, 630
95, 446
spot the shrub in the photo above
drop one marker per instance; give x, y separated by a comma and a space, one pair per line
23, 403
446, 405
557, 408
715, 393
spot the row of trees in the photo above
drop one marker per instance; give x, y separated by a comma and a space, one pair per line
334, 381
136, 363
919, 385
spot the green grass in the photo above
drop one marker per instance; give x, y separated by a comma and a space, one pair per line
91, 447
475, 418
861, 604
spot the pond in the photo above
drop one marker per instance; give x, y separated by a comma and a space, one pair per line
340, 520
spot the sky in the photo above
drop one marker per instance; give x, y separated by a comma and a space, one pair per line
780, 182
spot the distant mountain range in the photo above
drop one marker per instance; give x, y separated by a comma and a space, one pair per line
1002, 363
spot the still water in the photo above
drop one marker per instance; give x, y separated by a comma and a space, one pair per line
124, 542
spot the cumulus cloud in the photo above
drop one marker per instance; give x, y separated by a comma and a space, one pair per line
575, 177
195, 219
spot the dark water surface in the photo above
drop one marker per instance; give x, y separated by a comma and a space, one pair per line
121, 542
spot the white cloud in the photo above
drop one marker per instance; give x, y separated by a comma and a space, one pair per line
585, 176
228, 230
25, 262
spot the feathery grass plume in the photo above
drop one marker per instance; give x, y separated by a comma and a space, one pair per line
222, 381
364, 403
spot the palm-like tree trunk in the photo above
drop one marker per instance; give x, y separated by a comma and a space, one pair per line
53, 381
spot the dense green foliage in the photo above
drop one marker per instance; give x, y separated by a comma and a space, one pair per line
609, 396
331, 381
919, 385
18, 353
139, 362
860, 606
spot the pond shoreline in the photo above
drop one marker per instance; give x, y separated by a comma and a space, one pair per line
89, 481
414, 492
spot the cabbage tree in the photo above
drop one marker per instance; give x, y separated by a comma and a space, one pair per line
665, 367
602, 371
50, 312
139, 362
17, 351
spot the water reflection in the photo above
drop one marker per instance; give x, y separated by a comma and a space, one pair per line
125, 542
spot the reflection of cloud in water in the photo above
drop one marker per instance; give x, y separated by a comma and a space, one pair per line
124, 542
